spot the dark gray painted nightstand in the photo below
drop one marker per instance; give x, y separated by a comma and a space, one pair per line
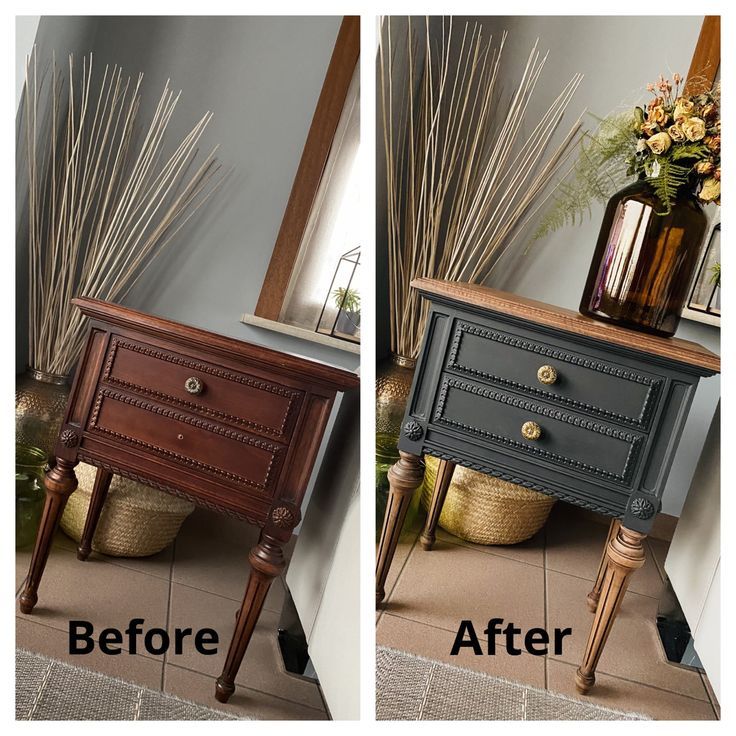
585, 411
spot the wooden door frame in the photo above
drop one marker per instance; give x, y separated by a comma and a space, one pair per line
706, 57
311, 166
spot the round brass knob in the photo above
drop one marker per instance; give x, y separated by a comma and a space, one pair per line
531, 431
547, 375
193, 385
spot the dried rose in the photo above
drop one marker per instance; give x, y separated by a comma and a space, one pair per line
676, 133
659, 143
658, 115
709, 111
648, 129
711, 190
693, 128
713, 142
683, 108
717, 174
705, 168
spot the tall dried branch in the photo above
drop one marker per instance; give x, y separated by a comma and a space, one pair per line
462, 176
104, 198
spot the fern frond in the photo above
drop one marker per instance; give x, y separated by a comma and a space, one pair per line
602, 168
669, 179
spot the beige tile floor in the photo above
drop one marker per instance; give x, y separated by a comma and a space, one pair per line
197, 582
542, 582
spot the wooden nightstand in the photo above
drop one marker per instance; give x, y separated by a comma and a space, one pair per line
231, 426
557, 402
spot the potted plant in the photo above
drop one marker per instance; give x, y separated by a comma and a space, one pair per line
347, 301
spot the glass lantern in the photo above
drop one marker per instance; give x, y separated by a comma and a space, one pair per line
340, 315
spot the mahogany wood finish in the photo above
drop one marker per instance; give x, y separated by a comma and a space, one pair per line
96, 502
231, 426
445, 469
59, 483
311, 167
608, 406
404, 478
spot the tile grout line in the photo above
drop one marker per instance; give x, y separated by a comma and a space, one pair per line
644, 684
500, 644
488, 552
168, 612
251, 689
546, 620
401, 570
703, 677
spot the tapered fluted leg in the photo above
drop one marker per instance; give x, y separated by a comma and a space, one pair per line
625, 554
59, 483
444, 477
404, 478
97, 501
267, 561
595, 593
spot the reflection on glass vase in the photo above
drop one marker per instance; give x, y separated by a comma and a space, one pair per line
30, 465
644, 262
393, 385
40, 403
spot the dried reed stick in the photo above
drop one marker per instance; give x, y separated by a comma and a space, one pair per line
104, 200
462, 176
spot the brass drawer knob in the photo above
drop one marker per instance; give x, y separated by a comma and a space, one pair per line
547, 375
531, 431
193, 385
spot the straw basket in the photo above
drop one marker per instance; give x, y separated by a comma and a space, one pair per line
136, 520
486, 510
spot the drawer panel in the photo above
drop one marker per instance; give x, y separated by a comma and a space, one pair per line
585, 384
216, 450
247, 401
568, 440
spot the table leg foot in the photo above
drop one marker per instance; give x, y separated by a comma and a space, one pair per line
624, 554
583, 682
59, 483
266, 561
404, 478
223, 690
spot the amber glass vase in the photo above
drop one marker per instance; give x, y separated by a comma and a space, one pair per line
644, 262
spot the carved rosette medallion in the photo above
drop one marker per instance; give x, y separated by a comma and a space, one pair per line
283, 517
642, 509
413, 430
69, 438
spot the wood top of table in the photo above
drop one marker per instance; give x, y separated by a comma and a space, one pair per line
310, 370
502, 302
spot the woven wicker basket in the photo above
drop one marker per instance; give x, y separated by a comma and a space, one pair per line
486, 510
136, 520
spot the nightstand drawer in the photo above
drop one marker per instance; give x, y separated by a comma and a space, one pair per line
538, 431
227, 455
576, 380
234, 397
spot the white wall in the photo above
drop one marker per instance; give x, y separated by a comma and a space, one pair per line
693, 562
26, 27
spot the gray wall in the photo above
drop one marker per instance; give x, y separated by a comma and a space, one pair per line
261, 77
618, 55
